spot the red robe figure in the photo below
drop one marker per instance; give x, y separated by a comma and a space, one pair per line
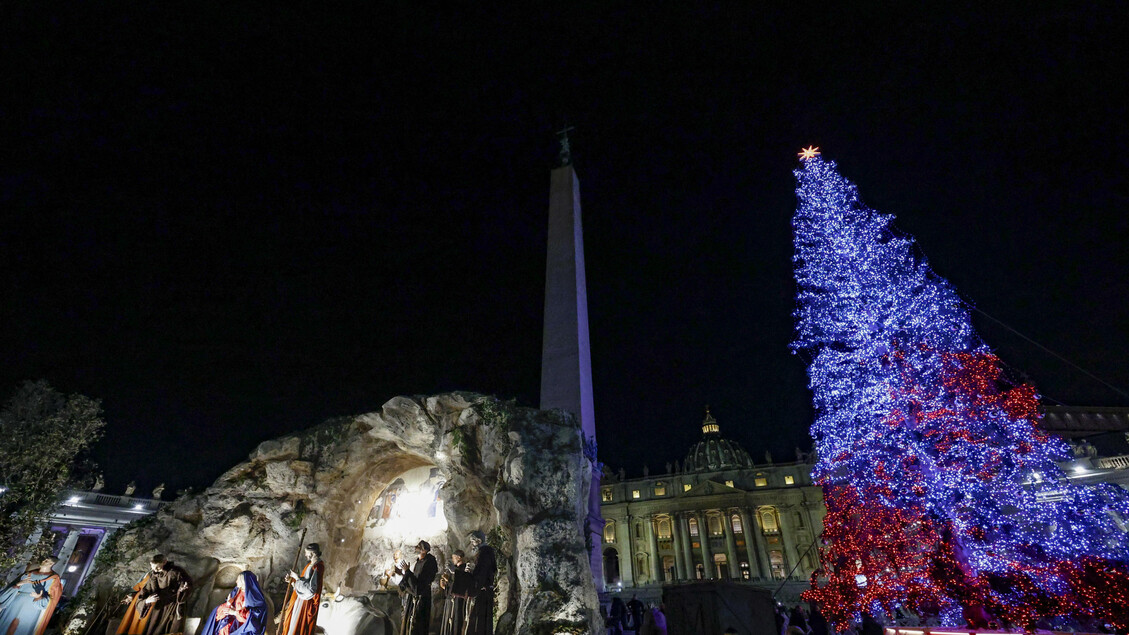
302, 602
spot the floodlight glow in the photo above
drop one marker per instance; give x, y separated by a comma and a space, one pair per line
416, 512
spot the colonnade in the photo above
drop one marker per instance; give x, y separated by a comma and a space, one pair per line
755, 550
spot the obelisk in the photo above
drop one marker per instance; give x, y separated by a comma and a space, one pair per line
566, 362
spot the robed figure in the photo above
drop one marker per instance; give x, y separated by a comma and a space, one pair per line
301, 615
416, 584
480, 607
132, 623
27, 605
163, 597
243, 613
457, 582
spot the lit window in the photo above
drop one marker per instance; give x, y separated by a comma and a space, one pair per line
760, 481
715, 525
788, 480
693, 526
607, 495
609, 532
635, 493
660, 489
776, 561
768, 521
664, 529
729, 483
686, 487
735, 520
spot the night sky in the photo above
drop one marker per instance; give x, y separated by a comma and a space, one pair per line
230, 221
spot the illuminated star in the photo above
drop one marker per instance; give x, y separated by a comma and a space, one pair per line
809, 152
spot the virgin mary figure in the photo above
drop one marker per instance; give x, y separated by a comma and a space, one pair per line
243, 613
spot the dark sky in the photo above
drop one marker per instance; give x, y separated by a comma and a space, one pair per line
230, 221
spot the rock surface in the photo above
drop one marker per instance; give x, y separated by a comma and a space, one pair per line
516, 473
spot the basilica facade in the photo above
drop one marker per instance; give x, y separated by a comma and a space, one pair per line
716, 515
719, 515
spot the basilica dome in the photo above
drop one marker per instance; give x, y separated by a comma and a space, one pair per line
714, 453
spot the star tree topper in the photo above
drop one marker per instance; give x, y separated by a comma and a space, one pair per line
809, 152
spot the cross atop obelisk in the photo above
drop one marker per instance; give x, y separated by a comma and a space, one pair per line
566, 362
566, 152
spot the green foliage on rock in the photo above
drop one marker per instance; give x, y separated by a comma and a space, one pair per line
44, 433
295, 518
495, 412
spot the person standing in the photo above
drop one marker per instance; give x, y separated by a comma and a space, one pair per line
243, 613
132, 623
27, 605
163, 597
480, 607
416, 583
301, 614
654, 621
635, 610
617, 616
457, 582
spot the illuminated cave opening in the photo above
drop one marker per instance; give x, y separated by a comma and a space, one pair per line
395, 505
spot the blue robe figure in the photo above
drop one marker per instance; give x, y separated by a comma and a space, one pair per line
244, 613
27, 605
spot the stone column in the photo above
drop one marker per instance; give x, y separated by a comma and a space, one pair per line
730, 545
676, 537
656, 561
787, 538
754, 546
687, 552
704, 541
626, 565
68, 548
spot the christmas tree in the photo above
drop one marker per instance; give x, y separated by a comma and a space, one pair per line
943, 493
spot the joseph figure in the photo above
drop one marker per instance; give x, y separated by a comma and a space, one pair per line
163, 597
301, 613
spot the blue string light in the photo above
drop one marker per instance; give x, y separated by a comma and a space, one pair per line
917, 428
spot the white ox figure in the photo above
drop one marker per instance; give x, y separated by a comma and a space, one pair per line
344, 615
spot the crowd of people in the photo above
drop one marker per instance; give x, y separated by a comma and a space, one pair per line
156, 605
800, 620
635, 617
469, 605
